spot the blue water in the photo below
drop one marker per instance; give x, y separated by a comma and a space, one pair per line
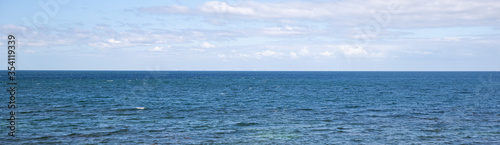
99, 107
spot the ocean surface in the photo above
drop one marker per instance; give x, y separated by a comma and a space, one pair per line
183, 107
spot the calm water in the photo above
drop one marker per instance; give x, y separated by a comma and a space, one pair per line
99, 107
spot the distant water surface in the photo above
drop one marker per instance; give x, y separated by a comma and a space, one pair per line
135, 107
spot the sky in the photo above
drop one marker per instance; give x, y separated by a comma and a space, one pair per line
248, 35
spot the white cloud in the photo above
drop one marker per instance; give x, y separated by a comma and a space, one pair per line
207, 45
61, 42
397, 13
99, 45
293, 54
224, 8
13, 28
159, 48
268, 53
309, 30
114, 41
240, 55
452, 39
351, 51
196, 49
268, 10
223, 56
166, 9
326, 53
304, 52
176, 8
286, 30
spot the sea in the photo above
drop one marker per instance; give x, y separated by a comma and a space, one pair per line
253, 107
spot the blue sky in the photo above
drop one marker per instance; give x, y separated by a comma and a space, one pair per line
272, 35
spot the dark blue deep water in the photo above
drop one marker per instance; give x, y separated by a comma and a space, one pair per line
100, 107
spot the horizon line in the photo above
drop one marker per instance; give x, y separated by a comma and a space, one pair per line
283, 70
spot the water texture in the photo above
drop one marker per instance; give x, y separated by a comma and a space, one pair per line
182, 107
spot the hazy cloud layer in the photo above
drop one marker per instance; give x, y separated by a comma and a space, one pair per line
262, 31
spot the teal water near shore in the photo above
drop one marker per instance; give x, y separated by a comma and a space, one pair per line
184, 107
